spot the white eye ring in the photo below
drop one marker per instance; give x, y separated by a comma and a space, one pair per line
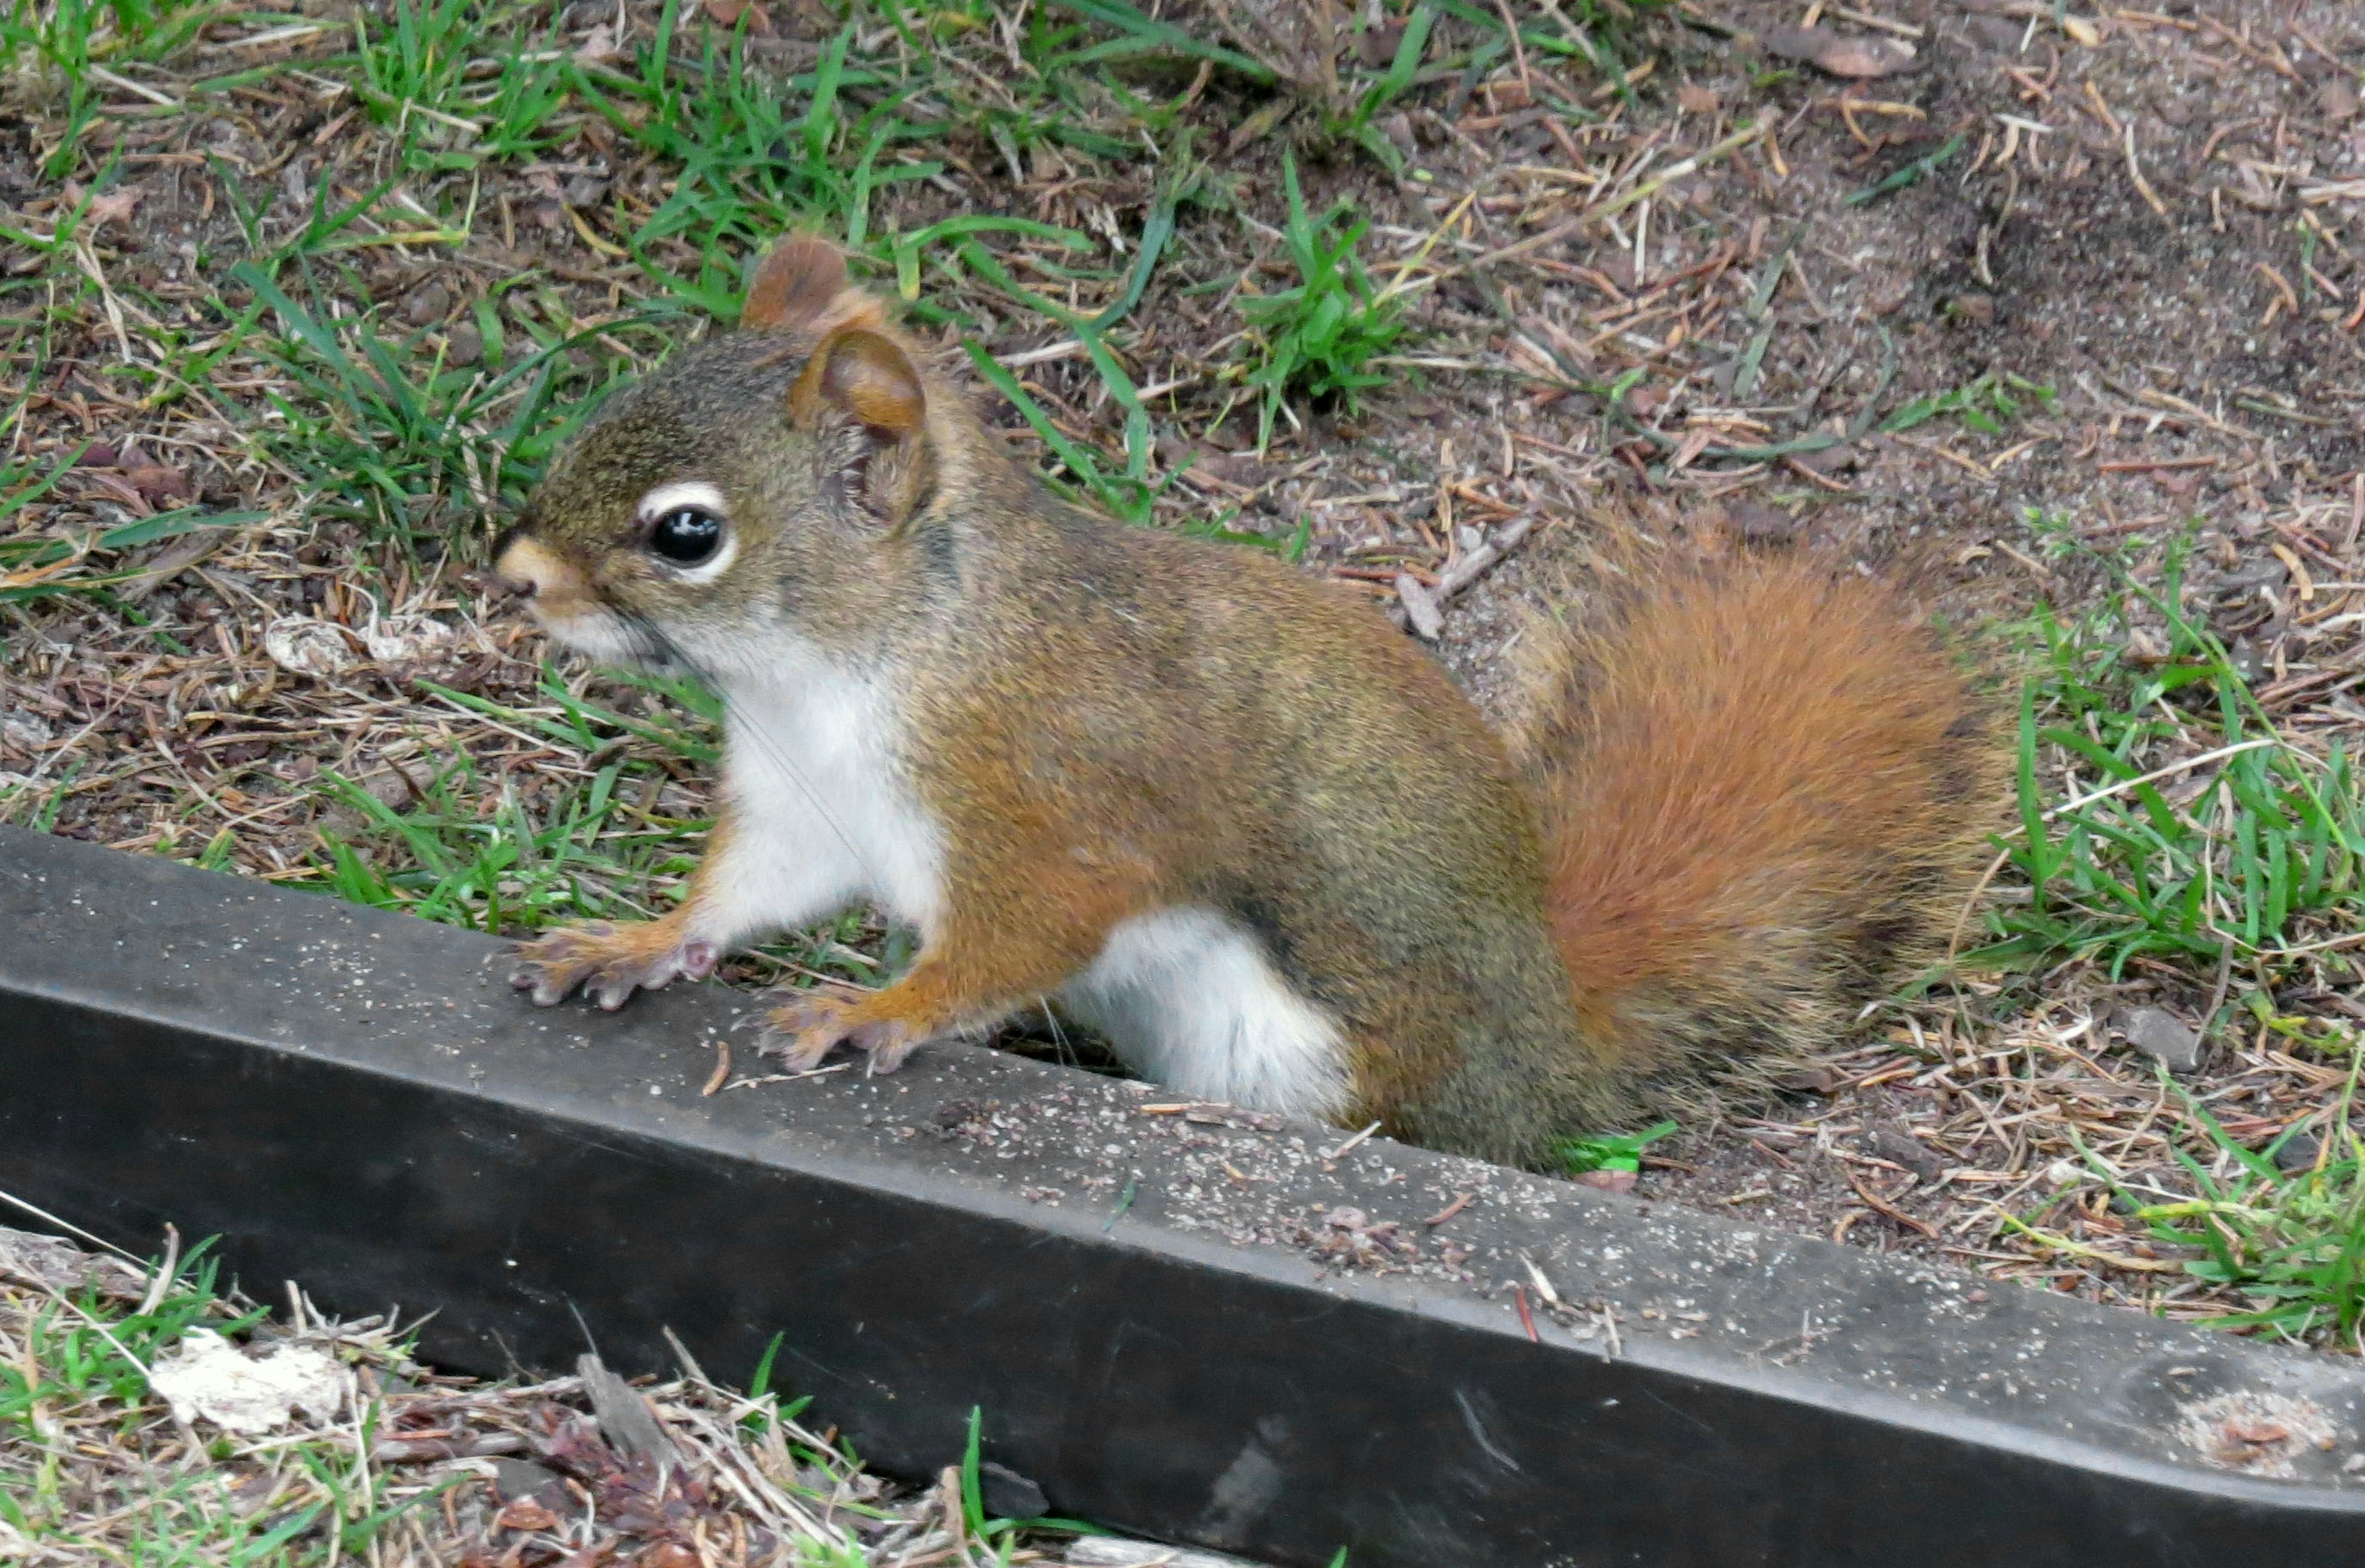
698, 494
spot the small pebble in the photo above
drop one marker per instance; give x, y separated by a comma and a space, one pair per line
2160, 1035
426, 305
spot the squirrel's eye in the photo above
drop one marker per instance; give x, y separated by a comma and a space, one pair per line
685, 536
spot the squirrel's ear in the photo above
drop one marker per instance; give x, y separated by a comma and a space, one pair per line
866, 377
793, 285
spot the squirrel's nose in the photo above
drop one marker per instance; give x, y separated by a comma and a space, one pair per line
499, 585
505, 579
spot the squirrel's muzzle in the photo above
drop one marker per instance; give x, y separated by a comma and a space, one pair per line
503, 580
527, 568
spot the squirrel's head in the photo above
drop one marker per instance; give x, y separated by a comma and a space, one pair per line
757, 484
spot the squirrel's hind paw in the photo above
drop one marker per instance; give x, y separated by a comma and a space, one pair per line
804, 1031
608, 961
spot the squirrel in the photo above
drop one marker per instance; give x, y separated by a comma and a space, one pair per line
1211, 807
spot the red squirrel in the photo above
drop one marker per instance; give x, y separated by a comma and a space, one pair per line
1212, 808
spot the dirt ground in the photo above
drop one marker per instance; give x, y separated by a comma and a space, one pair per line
2128, 252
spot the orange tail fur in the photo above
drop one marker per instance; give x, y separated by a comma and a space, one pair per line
1763, 790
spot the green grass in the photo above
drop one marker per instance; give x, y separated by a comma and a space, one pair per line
76, 1383
468, 853
1139, 35
1988, 404
1598, 32
395, 438
1320, 336
55, 46
1610, 1151
2293, 1243
2122, 857
1412, 45
759, 154
1000, 1535
423, 71
35, 568
385, 432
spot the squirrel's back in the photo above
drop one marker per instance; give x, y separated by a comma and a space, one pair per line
1764, 790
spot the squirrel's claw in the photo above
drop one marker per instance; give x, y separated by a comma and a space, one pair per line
804, 1031
608, 961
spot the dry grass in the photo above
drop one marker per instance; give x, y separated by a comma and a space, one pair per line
411, 1468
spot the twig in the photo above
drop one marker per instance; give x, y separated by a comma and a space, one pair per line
2155, 775
1461, 1201
1891, 1210
46, 1217
2135, 171
100, 73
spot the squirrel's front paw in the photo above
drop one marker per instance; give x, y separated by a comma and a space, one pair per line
608, 961
803, 1032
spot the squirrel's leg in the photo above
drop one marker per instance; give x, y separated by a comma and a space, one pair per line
737, 890
981, 967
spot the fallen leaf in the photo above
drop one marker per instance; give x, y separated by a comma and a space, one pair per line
46, 1262
2083, 32
404, 639
525, 1513
1696, 98
2256, 1431
1840, 54
599, 45
122, 489
312, 648
1377, 47
728, 11
209, 1376
114, 205
1832, 460
159, 482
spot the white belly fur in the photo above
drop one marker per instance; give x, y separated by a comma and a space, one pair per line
823, 818
1189, 999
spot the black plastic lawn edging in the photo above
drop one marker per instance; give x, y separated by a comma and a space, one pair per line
1177, 1321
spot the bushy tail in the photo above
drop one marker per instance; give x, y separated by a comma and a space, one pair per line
1765, 791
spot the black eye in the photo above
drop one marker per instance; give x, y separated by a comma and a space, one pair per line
685, 536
